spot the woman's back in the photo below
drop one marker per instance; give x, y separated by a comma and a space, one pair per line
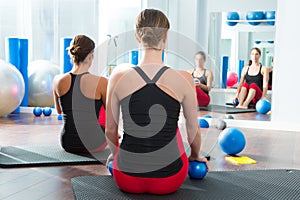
149, 145
151, 158
79, 95
80, 100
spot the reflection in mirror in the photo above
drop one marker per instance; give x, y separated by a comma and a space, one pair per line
233, 38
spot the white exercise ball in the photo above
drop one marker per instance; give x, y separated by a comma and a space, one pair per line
40, 83
12, 88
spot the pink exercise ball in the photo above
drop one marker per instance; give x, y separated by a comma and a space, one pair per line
232, 79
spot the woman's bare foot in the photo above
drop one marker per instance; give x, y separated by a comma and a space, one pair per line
242, 106
239, 106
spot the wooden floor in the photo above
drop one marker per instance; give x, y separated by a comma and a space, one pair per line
271, 149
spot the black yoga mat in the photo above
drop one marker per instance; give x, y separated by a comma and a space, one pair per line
52, 155
254, 184
226, 109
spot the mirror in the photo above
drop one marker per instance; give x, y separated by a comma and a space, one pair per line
234, 39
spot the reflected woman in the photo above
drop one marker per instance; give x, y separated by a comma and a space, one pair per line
254, 81
202, 78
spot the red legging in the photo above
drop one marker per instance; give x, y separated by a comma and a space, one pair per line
165, 185
202, 98
258, 92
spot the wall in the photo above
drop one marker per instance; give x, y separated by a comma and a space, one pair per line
286, 94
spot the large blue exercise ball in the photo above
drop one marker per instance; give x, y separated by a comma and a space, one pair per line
197, 170
232, 16
12, 88
231, 141
40, 83
255, 15
270, 15
263, 106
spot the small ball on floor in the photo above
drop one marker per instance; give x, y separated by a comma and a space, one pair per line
110, 167
37, 111
221, 125
47, 111
203, 123
228, 117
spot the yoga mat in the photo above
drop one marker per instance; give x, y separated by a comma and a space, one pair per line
23, 53
224, 71
252, 184
241, 65
226, 109
51, 155
12, 51
134, 57
65, 60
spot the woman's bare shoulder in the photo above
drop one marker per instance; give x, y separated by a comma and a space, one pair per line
61, 77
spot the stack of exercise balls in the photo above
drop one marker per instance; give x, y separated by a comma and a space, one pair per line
12, 88
254, 18
40, 82
260, 15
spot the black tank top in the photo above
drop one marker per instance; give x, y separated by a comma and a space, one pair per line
202, 79
257, 79
149, 147
81, 130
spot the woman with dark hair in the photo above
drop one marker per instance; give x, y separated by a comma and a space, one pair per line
254, 81
151, 157
203, 79
79, 95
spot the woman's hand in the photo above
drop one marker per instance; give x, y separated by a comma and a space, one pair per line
200, 159
197, 82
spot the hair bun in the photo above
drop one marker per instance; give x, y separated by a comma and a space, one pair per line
75, 50
149, 36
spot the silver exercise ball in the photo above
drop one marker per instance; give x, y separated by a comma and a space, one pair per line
40, 80
12, 88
